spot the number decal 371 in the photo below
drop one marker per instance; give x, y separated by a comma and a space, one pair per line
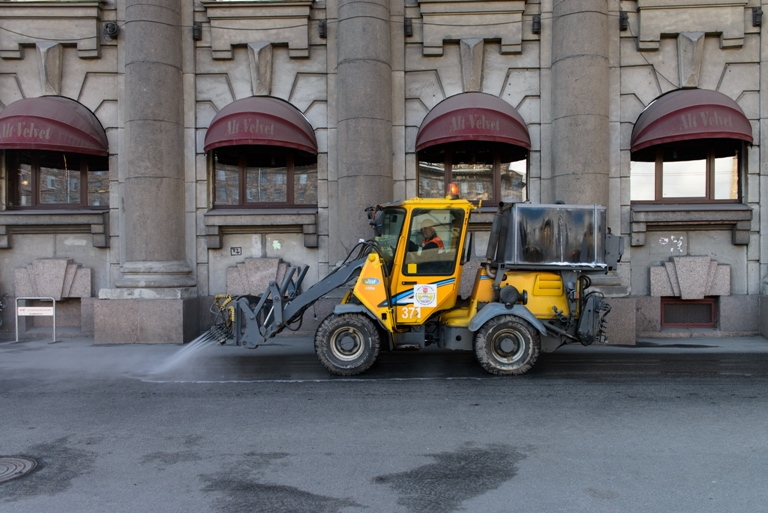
411, 312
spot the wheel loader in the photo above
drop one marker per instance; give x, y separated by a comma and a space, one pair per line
531, 292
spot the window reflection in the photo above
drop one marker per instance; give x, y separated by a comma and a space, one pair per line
685, 179
305, 184
727, 178
642, 181
265, 184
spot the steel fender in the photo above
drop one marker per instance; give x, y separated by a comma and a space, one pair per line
492, 310
347, 309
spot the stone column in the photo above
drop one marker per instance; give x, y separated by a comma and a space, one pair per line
154, 301
153, 194
580, 97
364, 100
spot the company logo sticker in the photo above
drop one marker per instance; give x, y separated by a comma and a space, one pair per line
371, 281
425, 295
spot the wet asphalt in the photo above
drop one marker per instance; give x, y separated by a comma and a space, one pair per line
668, 425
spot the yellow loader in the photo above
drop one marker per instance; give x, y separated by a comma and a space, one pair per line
531, 292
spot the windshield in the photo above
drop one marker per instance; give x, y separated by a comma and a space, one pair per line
393, 225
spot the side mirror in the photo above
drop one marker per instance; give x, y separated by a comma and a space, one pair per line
378, 222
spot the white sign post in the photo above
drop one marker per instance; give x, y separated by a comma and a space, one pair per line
35, 311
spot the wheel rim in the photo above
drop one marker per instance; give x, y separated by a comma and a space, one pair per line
347, 344
508, 346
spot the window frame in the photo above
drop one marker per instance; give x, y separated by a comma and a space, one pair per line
710, 179
242, 166
13, 194
448, 175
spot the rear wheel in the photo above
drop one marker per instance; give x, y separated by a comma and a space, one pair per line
507, 345
347, 344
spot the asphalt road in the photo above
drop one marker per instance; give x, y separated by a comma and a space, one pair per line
678, 427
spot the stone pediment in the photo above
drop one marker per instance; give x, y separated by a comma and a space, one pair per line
276, 22
59, 278
671, 18
456, 20
52, 22
690, 278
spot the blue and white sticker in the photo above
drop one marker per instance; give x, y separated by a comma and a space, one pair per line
371, 281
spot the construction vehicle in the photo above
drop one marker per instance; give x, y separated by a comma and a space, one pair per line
531, 292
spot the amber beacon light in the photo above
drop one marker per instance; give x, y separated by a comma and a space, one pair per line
453, 191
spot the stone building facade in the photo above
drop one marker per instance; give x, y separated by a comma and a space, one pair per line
172, 147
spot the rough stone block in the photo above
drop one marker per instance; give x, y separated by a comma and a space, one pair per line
648, 317
692, 276
115, 321
69, 278
621, 321
721, 283
260, 271
235, 283
660, 282
23, 283
146, 321
48, 276
81, 286
672, 273
740, 314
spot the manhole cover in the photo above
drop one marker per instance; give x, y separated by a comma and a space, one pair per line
15, 466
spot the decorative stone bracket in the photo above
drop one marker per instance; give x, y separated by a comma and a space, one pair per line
50, 22
690, 278
452, 20
59, 278
276, 22
254, 274
23, 222
657, 216
672, 17
220, 222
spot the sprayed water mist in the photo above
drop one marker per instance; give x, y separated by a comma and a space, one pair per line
186, 352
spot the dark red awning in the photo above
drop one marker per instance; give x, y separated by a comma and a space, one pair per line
53, 123
473, 117
261, 120
689, 114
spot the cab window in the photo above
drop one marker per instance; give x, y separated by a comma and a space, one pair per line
394, 219
434, 237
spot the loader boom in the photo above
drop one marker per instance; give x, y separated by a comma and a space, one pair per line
254, 324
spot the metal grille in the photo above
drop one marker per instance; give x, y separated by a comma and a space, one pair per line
676, 313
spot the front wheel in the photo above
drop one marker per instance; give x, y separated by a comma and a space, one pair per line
507, 345
347, 344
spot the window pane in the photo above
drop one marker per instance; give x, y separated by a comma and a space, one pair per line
305, 184
727, 178
25, 184
684, 179
475, 181
642, 180
98, 188
226, 183
59, 179
513, 186
431, 180
266, 184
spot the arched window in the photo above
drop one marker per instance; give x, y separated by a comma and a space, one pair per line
689, 146
264, 155
479, 142
56, 155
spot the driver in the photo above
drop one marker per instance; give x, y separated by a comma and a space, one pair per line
431, 239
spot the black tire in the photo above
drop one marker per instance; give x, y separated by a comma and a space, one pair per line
347, 344
507, 345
